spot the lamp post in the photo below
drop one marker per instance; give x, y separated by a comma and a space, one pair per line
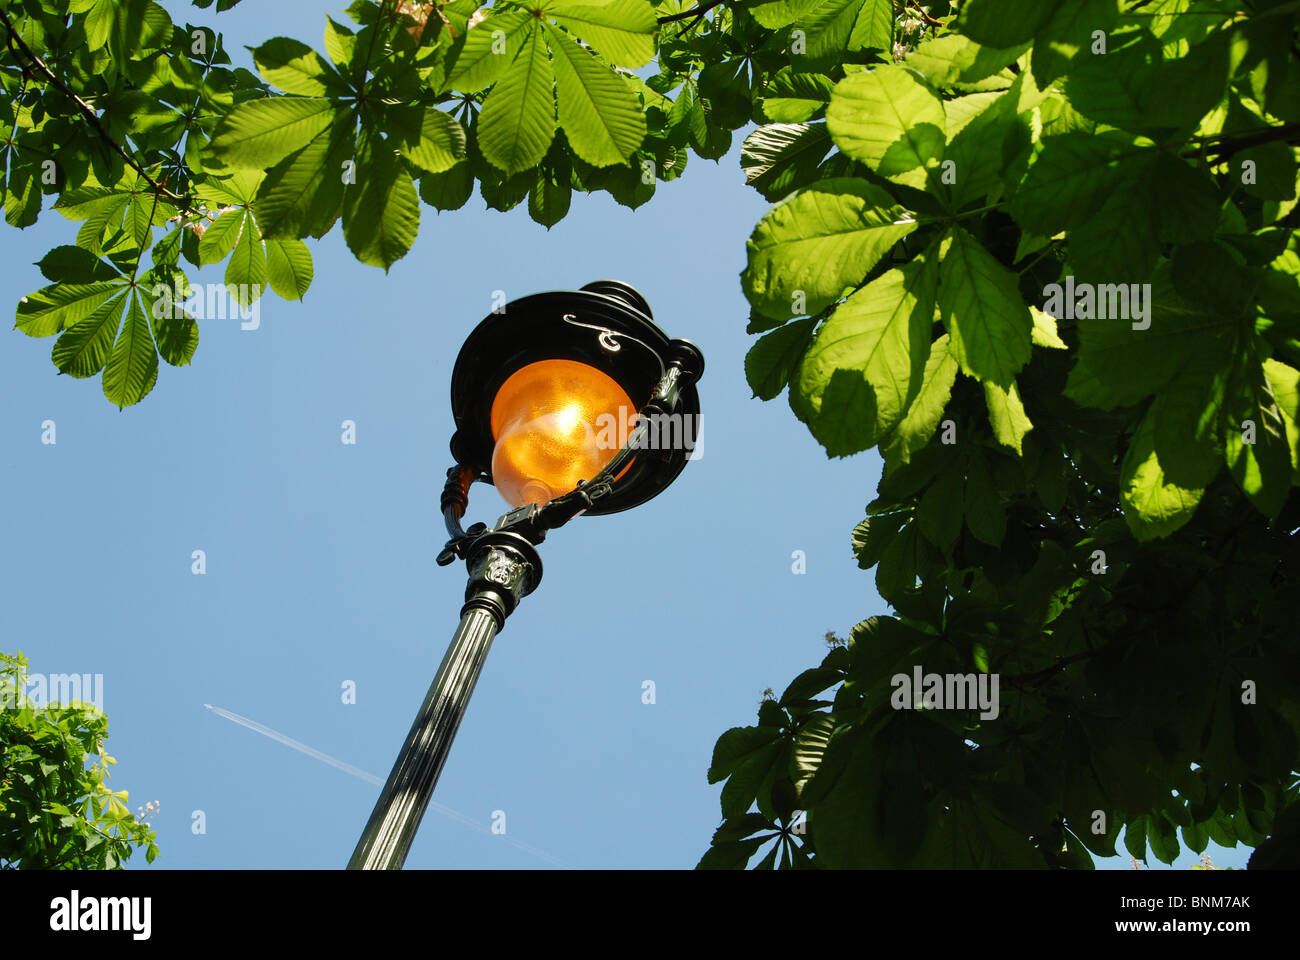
568, 402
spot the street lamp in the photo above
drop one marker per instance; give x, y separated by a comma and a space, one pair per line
569, 402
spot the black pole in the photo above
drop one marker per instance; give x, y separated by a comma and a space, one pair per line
503, 568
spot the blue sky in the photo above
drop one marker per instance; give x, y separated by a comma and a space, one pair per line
320, 555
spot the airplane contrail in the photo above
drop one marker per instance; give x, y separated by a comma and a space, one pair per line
371, 778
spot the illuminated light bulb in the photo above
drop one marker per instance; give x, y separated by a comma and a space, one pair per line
555, 422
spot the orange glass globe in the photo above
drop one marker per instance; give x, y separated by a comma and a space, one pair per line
555, 422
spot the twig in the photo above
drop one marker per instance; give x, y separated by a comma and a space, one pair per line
917, 9
153, 212
16, 43
700, 9
1061, 664
1226, 145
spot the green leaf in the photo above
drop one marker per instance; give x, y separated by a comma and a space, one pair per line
428, 137
1163, 837
724, 85
57, 307
926, 410
980, 149
781, 13
939, 513
1135, 838
69, 264
731, 855
22, 197
742, 787
295, 68
1257, 449
957, 61
82, 349
132, 368
1120, 243
818, 244
1119, 365
302, 196
872, 537
260, 133
174, 331
740, 828
1007, 414
517, 123
736, 746
795, 97
810, 746
381, 211
874, 26
598, 111
341, 45
1272, 171
1044, 332
835, 26
622, 31
868, 359
1152, 506
1071, 29
687, 113
549, 197
889, 120
118, 215
289, 268
771, 360
246, 272
981, 306
1135, 89
780, 157
1005, 23
1284, 382
489, 47
1069, 181
897, 571
986, 517
167, 251
220, 237
448, 190
1186, 418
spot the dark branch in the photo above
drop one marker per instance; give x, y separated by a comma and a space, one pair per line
21, 52
1031, 679
1227, 145
698, 10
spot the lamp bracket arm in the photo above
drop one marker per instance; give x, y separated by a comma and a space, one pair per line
454, 501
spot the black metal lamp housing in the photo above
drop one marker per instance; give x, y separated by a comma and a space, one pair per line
606, 325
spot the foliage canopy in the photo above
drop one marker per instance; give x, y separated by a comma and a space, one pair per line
1089, 492
57, 813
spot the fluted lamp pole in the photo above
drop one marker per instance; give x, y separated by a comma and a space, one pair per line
538, 391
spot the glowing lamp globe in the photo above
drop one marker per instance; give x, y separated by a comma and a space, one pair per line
555, 423
547, 389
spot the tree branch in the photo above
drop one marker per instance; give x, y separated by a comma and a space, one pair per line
1039, 675
699, 9
1226, 145
20, 51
